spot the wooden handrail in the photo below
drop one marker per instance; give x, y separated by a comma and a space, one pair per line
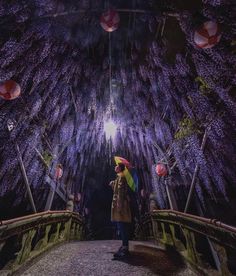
39, 215
31, 235
183, 231
210, 222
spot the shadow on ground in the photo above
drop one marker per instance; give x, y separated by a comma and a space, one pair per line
163, 262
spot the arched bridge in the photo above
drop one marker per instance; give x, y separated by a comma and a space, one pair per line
166, 243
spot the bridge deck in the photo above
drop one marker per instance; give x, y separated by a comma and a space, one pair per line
92, 258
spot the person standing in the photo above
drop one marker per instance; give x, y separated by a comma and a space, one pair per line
120, 209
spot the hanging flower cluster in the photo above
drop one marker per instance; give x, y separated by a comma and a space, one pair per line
62, 66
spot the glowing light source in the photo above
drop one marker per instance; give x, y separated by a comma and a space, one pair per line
110, 129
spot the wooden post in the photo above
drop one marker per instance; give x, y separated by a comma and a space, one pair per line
166, 182
52, 192
25, 178
73, 100
41, 158
50, 197
171, 196
195, 176
168, 195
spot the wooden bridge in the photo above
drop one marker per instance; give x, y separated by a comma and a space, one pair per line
166, 243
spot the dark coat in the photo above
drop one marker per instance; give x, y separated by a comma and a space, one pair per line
120, 209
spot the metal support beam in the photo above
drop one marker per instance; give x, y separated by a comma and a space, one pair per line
139, 11
25, 178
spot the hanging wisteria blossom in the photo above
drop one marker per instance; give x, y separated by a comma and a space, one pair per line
163, 92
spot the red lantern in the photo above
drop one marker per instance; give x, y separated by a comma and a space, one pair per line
59, 171
110, 20
208, 35
161, 170
9, 90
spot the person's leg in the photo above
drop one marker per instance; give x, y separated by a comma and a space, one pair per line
124, 234
125, 239
120, 235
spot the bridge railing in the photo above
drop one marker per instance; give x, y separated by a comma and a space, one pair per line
24, 238
207, 244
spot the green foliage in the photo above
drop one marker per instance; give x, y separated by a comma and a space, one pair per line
47, 156
45, 125
187, 127
203, 86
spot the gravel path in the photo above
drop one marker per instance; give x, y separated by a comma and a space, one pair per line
94, 258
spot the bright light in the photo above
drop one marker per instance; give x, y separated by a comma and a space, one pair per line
110, 129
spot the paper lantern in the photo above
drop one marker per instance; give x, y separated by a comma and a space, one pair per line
86, 210
161, 170
59, 171
110, 20
208, 35
9, 90
78, 197
143, 193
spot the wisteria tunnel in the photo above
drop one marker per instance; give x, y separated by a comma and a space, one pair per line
84, 83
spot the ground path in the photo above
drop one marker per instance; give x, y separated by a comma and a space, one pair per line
94, 258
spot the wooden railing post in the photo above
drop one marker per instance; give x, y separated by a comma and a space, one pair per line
222, 255
192, 254
24, 253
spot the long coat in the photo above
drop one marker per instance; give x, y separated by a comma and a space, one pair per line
120, 209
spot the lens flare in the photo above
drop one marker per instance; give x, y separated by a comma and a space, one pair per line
110, 129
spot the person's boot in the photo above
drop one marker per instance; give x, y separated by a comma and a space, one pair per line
122, 252
118, 252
